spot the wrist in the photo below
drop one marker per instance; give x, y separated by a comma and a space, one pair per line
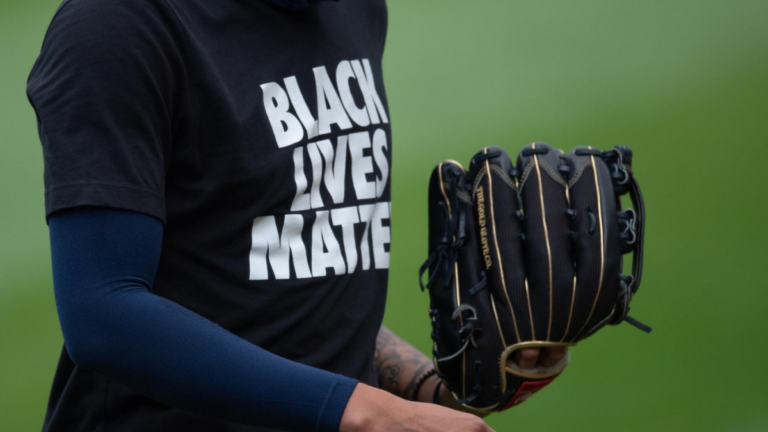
422, 382
447, 399
427, 390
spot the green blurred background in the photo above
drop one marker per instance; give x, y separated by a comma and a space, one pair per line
683, 82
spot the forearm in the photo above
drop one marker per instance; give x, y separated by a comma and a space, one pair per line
399, 366
104, 263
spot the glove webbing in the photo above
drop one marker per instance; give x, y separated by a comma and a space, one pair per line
624, 181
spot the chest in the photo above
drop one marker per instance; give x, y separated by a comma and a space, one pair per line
288, 113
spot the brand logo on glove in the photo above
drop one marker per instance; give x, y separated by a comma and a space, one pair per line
483, 229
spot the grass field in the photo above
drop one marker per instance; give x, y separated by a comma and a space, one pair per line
683, 82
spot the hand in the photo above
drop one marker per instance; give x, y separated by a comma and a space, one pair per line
530, 358
374, 410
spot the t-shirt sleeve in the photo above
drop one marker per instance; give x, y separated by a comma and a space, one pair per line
105, 89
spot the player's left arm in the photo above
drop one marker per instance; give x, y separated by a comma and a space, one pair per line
399, 366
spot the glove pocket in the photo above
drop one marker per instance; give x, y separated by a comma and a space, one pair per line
520, 384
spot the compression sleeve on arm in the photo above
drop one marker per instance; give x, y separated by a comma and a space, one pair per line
104, 264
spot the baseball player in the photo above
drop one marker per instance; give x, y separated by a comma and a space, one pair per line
217, 189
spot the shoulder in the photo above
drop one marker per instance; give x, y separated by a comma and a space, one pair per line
109, 48
87, 10
105, 35
110, 22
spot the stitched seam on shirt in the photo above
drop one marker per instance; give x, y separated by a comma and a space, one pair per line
104, 184
188, 52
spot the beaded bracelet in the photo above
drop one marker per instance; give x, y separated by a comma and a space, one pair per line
420, 382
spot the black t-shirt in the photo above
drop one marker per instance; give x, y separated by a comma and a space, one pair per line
260, 137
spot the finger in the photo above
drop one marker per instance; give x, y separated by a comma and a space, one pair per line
527, 358
550, 356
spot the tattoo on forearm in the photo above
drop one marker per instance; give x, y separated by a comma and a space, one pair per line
398, 364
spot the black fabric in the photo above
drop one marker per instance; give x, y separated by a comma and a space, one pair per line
205, 115
539, 262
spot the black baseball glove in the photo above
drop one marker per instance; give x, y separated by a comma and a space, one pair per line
527, 256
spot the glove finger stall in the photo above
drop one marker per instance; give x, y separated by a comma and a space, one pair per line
501, 240
597, 248
457, 284
548, 244
443, 203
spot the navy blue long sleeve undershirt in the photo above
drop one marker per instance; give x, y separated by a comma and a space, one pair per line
104, 264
